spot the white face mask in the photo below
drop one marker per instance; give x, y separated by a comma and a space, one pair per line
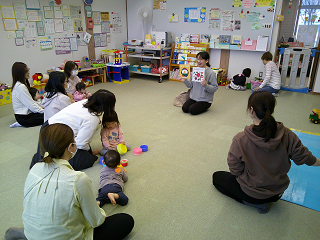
73, 153
74, 73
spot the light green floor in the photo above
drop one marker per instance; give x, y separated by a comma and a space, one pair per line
170, 188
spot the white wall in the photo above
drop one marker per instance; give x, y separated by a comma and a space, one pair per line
42, 60
316, 87
238, 59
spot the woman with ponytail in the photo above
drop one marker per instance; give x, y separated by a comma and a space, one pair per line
259, 157
59, 202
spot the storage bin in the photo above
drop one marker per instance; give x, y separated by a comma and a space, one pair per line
255, 84
98, 65
146, 69
134, 68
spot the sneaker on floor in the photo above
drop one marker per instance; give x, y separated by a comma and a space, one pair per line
16, 124
275, 94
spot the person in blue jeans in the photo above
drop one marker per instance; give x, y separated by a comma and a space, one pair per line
112, 179
272, 81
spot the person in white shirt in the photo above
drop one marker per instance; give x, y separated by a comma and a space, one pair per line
56, 97
27, 112
272, 81
71, 69
59, 202
83, 118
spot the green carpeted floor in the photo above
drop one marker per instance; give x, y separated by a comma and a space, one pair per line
170, 187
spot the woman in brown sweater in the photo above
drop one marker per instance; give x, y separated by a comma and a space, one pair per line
259, 157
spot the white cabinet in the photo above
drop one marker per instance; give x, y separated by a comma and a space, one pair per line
143, 54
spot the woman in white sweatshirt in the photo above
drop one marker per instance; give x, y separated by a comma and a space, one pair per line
84, 118
28, 112
56, 97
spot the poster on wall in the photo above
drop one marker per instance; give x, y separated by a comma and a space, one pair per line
247, 3
32, 16
22, 24
236, 3
80, 41
253, 17
96, 17
105, 27
57, 12
227, 20
66, 10
10, 24
75, 12
49, 26
100, 39
62, 46
20, 10
104, 16
264, 3
19, 41
20, 34
116, 24
7, 12
58, 25
48, 12
31, 43
45, 43
31, 30
33, 4
196, 14
77, 25
40, 28
73, 44
67, 23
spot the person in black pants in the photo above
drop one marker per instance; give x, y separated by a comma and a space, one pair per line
259, 157
83, 118
59, 202
27, 112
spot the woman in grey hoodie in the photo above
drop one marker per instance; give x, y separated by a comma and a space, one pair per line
56, 97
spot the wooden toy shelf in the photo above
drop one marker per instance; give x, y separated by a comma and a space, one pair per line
173, 66
148, 56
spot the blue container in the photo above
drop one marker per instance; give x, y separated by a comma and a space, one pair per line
144, 148
132, 68
146, 69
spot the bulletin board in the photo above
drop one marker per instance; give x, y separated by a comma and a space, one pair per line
252, 18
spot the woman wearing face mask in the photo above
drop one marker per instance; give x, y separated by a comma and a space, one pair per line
59, 203
71, 69
83, 118
55, 98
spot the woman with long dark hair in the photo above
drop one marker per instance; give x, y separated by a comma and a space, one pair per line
259, 157
83, 118
27, 112
55, 98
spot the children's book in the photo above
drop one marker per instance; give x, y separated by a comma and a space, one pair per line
214, 41
236, 39
198, 74
194, 38
184, 71
191, 61
225, 39
205, 38
185, 37
182, 57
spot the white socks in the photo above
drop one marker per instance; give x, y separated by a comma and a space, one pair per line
16, 124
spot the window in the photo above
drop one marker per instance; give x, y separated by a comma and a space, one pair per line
308, 22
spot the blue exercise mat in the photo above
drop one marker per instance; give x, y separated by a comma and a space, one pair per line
304, 187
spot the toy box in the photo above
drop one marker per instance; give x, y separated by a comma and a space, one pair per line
146, 69
134, 68
255, 84
5, 96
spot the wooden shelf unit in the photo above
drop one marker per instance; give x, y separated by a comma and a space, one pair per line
173, 66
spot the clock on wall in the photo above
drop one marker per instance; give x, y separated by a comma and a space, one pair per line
88, 2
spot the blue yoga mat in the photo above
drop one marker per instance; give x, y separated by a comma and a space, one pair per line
304, 187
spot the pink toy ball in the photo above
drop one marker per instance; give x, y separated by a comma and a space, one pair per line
144, 148
137, 151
